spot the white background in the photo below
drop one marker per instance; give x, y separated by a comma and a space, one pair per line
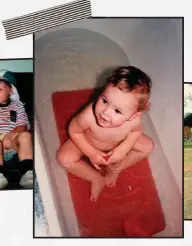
16, 206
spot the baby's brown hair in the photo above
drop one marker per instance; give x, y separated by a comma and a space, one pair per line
132, 79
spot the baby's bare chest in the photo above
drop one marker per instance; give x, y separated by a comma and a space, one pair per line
108, 134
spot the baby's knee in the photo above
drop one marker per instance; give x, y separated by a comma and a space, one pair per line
64, 158
149, 146
24, 137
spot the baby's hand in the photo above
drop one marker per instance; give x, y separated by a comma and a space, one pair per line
116, 156
98, 159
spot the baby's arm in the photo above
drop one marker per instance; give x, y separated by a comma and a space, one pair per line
77, 127
127, 144
18, 129
12, 134
20, 123
120, 152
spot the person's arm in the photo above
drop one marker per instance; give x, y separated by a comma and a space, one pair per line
7, 140
21, 120
127, 144
76, 129
20, 126
17, 130
119, 153
20, 123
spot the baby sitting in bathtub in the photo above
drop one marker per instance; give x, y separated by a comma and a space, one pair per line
108, 131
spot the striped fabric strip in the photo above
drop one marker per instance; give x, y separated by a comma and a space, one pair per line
51, 17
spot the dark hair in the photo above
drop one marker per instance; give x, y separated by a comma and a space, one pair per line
7, 83
132, 79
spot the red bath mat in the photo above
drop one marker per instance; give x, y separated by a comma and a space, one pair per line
130, 209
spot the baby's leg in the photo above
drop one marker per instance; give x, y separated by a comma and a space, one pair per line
69, 157
1, 153
22, 143
142, 149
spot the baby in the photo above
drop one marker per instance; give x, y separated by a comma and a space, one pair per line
14, 135
108, 131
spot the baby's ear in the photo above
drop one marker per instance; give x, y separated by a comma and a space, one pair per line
135, 115
11, 91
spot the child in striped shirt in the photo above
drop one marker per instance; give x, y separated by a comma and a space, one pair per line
14, 135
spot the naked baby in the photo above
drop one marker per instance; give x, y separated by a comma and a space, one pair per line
109, 131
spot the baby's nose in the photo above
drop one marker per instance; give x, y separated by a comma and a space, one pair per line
106, 112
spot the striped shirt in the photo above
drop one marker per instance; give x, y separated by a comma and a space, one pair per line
11, 116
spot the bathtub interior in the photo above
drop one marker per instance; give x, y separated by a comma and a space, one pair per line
72, 59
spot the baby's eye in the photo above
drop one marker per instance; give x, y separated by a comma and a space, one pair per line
117, 111
104, 101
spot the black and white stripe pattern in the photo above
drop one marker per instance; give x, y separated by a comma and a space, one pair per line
6, 124
51, 17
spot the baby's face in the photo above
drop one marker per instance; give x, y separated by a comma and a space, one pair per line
114, 107
4, 92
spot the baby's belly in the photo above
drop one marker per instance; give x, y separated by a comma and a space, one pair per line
101, 145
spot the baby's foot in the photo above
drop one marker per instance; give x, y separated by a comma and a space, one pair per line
111, 177
96, 188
